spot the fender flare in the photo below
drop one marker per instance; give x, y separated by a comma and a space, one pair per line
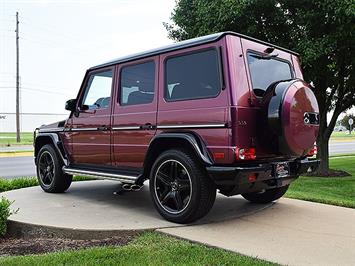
56, 143
195, 142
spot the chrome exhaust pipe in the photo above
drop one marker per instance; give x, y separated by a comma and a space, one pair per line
136, 187
129, 187
126, 187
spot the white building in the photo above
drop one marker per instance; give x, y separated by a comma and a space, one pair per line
28, 121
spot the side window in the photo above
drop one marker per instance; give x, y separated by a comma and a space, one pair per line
192, 76
137, 84
98, 91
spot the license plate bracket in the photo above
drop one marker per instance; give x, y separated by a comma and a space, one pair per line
281, 170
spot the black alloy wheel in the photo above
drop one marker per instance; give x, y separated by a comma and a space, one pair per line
180, 187
172, 186
46, 168
49, 171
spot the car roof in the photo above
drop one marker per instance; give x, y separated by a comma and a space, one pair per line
184, 44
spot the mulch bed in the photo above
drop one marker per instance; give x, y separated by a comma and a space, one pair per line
331, 173
12, 246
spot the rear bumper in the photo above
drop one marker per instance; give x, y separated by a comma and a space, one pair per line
235, 178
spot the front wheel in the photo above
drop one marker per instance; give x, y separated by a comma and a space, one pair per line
180, 188
49, 171
266, 196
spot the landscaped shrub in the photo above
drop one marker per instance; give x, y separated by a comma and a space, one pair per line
5, 213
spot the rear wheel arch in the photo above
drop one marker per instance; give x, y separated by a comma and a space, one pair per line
168, 141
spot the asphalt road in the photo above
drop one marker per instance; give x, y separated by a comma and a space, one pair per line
24, 166
341, 147
17, 167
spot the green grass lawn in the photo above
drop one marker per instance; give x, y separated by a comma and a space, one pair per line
148, 249
338, 191
7, 139
342, 136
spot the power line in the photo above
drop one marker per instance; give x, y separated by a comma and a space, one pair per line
35, 89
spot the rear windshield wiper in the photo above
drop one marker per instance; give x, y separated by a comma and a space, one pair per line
264, 57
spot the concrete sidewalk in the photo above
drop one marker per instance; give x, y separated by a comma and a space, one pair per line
94, 205
291, 232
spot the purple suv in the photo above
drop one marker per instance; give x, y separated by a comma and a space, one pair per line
224, 111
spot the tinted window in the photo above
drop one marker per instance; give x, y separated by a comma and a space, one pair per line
192, 76
264, 72
98, 90
137, 84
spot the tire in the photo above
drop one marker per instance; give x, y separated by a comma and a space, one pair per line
192, 193
49, 171
266, 196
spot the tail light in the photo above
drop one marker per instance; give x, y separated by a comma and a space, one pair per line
312, 151
245, 154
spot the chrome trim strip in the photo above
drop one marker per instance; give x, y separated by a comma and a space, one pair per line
117, 177
127, 128
192, 126
54, 129
84, 129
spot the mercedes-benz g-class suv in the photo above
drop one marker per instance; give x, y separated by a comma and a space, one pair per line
222, 112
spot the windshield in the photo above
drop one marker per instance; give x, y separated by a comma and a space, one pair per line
265, 71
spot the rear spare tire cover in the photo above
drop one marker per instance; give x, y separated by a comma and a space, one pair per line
293, 115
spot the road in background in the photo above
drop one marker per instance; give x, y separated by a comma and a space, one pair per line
11, 167
14, 148
341, 147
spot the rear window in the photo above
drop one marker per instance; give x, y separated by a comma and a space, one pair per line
265, 71
193, 76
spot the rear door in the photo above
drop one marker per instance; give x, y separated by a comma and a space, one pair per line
135, 112
264, 65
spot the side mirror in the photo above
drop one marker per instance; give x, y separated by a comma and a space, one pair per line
70, 105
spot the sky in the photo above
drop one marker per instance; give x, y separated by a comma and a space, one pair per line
59, 40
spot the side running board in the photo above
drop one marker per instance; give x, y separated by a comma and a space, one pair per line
104, 175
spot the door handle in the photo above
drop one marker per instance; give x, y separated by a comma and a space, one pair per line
147, 126
103, 128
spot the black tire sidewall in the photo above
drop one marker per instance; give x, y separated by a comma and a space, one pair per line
196, 174
60, 181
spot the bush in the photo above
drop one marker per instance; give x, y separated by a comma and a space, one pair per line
5, 213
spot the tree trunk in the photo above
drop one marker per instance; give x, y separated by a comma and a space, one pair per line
323, 154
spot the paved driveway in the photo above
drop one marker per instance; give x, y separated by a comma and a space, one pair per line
291, 232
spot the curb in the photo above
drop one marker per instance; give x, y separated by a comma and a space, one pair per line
25, 230
16, 154
28, 230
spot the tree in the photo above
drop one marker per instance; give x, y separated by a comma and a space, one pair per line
322, 31
345, 121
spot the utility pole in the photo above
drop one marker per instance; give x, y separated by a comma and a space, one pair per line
18, 137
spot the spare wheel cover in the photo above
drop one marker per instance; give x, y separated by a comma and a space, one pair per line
299, 118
